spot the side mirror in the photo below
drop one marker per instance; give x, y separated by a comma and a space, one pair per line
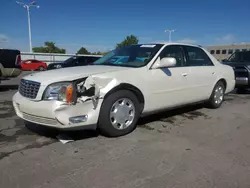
165, 62
224, 60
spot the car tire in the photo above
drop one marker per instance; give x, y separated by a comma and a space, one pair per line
119, 114
41, 68
217, 97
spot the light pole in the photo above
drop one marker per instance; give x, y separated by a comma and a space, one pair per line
27, 6
170, 31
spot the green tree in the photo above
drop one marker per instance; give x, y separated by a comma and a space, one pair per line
129, 40
83, 50
104, 53
49, 47
97, 53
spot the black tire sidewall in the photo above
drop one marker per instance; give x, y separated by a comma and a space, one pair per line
211, 100
40, 68
104, 125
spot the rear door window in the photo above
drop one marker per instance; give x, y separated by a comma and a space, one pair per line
197, 57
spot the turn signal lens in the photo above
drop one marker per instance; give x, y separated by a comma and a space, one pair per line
69, 94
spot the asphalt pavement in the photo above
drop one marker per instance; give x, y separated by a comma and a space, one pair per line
188, 147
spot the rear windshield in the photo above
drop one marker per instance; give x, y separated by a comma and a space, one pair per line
8, 56
70, 60
240, 57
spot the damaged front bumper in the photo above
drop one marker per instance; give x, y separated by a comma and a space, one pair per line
82, 115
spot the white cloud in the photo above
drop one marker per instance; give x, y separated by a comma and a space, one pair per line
187, 40
228, 38
11, 43
3, 38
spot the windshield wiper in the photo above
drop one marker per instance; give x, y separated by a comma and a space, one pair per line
108, 64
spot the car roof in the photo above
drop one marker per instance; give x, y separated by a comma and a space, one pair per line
171, 43
179, 43
31, 60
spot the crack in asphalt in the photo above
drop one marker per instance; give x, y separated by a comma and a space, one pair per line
32, 146
9, 111
173, 120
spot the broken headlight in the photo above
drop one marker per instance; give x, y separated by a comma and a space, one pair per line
80, 88
59, 91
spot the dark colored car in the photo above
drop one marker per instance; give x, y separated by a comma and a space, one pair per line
74, 61
10, 63
240, 61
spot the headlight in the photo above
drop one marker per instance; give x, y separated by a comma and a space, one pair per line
59, 91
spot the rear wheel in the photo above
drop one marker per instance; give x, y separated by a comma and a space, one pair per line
119, 114
41, 68
217, 96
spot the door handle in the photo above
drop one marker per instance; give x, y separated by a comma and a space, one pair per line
213, 72
184, 74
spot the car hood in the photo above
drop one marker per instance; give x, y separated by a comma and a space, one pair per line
72, 73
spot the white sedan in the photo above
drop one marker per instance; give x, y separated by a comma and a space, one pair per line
119, 88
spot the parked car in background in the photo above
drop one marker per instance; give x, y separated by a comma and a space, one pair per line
10, 61
33, 64
240, 61
74, 61
112, 96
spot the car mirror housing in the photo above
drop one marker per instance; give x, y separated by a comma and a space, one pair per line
165, 62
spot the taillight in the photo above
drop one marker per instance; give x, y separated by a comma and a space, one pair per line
18, 60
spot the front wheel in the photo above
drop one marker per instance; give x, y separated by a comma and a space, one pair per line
119, 114
217, 96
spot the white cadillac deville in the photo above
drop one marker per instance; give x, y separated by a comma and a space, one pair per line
127, 83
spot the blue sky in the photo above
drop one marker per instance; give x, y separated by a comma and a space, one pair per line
99, 25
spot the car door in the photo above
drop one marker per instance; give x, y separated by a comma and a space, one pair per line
28, 65
202, 75
34, 64
169, 86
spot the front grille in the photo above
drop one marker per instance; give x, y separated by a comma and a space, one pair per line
40, 120
29, 88
240, 72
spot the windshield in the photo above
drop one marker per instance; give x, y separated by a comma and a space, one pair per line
240, 57
69, 60
130, 56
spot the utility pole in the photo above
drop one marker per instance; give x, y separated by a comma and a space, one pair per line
27, 7
170, 31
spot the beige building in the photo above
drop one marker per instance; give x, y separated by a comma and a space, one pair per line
225, 51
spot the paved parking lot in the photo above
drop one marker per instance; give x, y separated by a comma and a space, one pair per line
190, 147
